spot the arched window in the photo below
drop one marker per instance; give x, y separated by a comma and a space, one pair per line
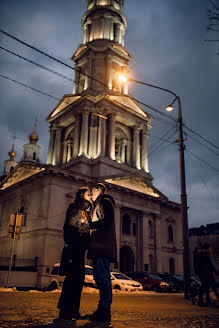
11, 168
126, 224
150, 229
172, 265
34, 155
170, 233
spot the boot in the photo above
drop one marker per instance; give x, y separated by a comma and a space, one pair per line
101, 314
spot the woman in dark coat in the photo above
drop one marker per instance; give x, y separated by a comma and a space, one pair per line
73, 257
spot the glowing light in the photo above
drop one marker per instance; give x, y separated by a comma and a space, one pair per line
122, 78
169, 108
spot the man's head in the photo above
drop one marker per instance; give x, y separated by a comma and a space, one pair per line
98, 188
206, 246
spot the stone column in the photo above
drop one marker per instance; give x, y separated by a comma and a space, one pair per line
157, 243
102, 137
144, 152
58, 146
145, 253
117, 213
92, 139
109, 72
123, 153
69, 150
89, 71
51, 145
111, 137
136, 148
64, 156
139, 243
77, 80
84, 134
76, 136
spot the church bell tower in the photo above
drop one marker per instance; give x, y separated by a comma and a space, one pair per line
100, 129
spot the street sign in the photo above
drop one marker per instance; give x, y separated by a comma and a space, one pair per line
15, 225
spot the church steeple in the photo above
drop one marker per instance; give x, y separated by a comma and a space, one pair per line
32, 150
99, 121
10, 163
102, 55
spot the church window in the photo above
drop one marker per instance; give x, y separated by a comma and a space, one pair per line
126, 224
34, 155
11, 168
103, 2
172, 265
170, 233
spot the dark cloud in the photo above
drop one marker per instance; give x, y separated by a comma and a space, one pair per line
166, 40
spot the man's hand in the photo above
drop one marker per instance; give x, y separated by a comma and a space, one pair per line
84, 227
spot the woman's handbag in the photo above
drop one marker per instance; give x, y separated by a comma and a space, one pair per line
66, 260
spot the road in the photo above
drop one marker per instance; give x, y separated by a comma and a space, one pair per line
147, 309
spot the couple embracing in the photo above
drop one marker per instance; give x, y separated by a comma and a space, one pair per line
89, 225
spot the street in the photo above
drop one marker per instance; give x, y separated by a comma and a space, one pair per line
137, 310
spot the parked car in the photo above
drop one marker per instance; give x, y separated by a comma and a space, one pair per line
56, 281
177, 281
122, 282
150, 281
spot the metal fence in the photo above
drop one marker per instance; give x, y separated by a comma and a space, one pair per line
19, 264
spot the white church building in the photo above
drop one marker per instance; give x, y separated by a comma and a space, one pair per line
97, 133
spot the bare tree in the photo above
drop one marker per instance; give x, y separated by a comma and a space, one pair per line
213, 18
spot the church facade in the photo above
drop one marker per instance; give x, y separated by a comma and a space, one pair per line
97, 133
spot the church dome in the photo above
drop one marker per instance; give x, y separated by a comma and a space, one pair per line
12, 153
33, 137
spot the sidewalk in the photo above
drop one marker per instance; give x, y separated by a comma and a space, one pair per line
129, 310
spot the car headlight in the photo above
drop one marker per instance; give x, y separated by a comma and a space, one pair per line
164, 284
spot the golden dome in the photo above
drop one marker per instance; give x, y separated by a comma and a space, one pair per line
33, 137
12, 153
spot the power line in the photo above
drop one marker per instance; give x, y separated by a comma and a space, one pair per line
202, 160
157, 142
167, 145
27, 86
48, 95
82, 73
211, 143
39, 65
59, 61
203, 144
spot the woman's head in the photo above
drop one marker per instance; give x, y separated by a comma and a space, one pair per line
82, 195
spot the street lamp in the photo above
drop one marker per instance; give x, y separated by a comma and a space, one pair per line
184, 214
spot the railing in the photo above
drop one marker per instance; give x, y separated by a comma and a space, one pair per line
19, 264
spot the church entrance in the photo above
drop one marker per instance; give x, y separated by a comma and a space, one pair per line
126, 259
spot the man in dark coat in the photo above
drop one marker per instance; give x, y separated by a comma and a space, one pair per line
102, 249
205, 270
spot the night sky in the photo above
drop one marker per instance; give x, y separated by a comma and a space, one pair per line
166, 39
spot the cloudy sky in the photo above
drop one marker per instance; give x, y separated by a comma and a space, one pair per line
166, 41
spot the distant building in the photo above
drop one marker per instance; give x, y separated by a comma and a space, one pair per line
205, 234
97, 133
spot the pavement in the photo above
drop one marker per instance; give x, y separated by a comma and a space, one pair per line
129, 310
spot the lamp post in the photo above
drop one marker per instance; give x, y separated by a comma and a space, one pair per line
184, 214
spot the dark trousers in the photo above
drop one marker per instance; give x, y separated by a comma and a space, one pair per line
204, 288
69, 301
213, 285
102, 277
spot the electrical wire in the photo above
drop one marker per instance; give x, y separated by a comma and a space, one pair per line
59, 61
26, 86
48, 95
82, 73
157, 145
202, 160
39, 65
